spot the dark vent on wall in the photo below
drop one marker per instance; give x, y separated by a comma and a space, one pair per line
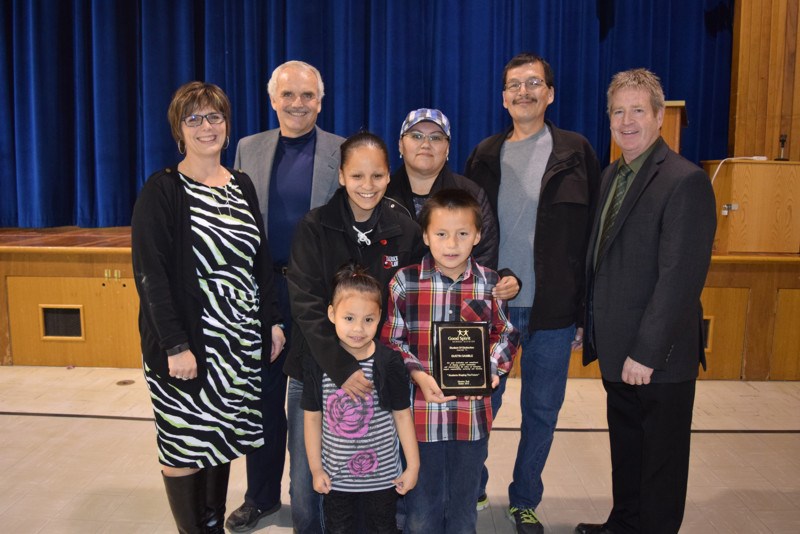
62, 322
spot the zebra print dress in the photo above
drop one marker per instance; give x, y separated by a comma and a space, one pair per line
223, 421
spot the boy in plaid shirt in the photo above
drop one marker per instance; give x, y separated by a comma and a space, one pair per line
452, 431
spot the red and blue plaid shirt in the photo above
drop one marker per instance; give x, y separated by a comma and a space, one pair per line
421, 294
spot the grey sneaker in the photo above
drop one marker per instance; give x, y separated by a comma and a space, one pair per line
525, 519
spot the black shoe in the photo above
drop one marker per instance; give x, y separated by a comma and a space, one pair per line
592, 528
246, 516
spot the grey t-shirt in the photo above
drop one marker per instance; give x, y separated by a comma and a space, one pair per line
522, 166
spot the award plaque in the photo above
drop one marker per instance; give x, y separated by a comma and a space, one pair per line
461, 363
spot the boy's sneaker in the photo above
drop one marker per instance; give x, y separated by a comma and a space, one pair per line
525, 519
483, 502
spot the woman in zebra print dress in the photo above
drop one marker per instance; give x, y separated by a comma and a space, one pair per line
207, 309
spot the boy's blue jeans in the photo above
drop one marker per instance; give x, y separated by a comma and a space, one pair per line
444, 499
544, 367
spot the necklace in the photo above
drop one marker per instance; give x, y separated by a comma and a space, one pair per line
216, 193
227, 201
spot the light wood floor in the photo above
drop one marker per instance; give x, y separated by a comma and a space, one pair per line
77, 454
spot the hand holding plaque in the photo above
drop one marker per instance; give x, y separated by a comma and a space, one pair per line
461, 361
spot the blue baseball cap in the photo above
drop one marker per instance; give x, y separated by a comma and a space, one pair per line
425, 114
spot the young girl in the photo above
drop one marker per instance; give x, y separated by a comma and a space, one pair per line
352, 444
357, 225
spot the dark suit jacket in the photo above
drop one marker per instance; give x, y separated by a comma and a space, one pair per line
255, 154
643, 297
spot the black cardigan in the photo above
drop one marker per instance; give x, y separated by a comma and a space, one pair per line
322, 243
389, 375
170, 303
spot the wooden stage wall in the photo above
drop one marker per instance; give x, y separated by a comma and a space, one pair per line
751, 304
765, 79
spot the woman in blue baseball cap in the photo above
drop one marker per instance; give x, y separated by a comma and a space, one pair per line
424, 146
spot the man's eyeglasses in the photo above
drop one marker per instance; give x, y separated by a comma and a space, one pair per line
419, 138
530, 84
193, 121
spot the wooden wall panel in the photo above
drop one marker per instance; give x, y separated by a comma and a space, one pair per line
726, 309
791, 117
764, 277
767, 196
737, 65
56, 261
765, 79
785, 364
109, 310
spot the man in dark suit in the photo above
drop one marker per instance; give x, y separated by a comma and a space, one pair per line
648, 257
295, 168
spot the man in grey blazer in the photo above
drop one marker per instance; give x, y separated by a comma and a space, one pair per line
648, 257
295, 168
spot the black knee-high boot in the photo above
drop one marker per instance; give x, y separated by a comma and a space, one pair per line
187, 497
216, 495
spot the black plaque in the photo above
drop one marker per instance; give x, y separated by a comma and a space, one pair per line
461, 362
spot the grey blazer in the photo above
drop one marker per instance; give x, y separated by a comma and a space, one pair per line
255, 153
643, 297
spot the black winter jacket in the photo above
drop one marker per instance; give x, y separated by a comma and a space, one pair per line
322, 243
389, 374
563, 221
170, 301
485, 252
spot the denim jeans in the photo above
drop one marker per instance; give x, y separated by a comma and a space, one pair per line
497, 401
444, 499
544, 367
306, 503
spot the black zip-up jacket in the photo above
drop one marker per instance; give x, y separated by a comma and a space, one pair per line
170, 300
389, 375
485, 252
566, 204
322, 243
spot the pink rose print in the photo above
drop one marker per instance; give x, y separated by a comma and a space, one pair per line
347, 418
363, 463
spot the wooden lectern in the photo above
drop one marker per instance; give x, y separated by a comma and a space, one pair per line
674, 120
756, 206
751, 300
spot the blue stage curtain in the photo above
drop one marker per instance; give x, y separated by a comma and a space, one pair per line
85, 84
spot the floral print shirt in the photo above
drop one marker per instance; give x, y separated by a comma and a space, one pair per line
360, 449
